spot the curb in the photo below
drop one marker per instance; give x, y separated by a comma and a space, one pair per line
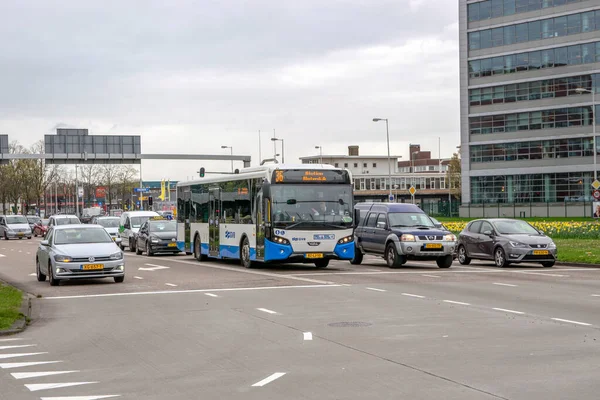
21, 324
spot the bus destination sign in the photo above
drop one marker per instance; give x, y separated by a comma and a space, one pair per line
310, 176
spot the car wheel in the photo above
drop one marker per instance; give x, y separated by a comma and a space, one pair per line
40, 276
138, 251
548, 264
149, 251
131, 245
53, 281
322, 263
119, 279
358, 256
245, 254
463, 258
500, 257
392, 258
444, 262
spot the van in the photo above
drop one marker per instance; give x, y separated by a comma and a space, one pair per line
130, 224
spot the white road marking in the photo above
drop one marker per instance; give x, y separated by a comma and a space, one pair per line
138, 277
211, 294
26, 364
504, 284
81, 397
539, 273
457, 302
270, 379
413, 295
508, 311
377, 290
171, 284
571, 322
18, 346
15, 339
267, 310
432, 276
13, 355
187, 291
34, 387
27, 375
153, 267
307, 335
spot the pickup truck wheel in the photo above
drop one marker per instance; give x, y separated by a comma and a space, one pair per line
444, 262
392, 258
358, 256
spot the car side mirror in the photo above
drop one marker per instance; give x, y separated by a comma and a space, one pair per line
382, 225
488, 233
45, 243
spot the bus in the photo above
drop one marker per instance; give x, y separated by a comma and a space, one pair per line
269, 214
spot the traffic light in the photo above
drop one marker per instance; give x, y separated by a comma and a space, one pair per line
150, 201
201, 172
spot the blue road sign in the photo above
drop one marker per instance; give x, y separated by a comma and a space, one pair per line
142, 190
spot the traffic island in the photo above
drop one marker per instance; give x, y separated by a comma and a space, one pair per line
15, 310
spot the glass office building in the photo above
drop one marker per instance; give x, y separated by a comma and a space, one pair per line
527, 72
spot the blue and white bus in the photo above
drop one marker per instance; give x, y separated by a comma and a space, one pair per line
273, 213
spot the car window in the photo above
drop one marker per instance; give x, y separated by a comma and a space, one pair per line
372, 220
82, 236
485, 226
514, 228
474, 227
381, 218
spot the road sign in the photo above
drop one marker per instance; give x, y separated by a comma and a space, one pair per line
391, 197
412, 190
142, 190
596, 194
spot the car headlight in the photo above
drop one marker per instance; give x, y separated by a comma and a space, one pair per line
450, 238
517, 244
552, 245
116, 256
61, 258
407, 237
345, 240
280, 240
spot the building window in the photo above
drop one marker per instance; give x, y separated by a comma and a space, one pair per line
374, 165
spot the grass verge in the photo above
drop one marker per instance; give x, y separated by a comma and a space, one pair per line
578, 250
10, 305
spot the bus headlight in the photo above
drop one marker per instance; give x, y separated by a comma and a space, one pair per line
280, 240
345, 240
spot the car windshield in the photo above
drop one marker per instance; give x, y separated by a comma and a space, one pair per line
109, 222
515, 228
16, 219
67, 221
81, 236
312, 206
136, 222
399, 219
163, 226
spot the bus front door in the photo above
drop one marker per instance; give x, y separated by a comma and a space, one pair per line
213, 225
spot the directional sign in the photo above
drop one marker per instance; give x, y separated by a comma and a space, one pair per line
143, 190
412, 190
596, 184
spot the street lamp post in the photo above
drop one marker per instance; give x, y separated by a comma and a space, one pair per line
282, 149
593, 92
387, 131
231, 152
320, 153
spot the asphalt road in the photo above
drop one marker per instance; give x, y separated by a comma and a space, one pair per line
180, 329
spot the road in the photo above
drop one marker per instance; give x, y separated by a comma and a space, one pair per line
180, 329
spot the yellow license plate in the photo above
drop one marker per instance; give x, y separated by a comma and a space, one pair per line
314, 255
172, 245
90, 267
433, 245
541, 252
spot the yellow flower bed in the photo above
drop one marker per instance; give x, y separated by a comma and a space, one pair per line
564, 230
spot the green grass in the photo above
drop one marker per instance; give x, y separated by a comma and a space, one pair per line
540, 219
10, 304
578, 250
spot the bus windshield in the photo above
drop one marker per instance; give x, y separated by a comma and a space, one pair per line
311, 206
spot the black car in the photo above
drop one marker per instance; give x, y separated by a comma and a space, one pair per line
400, 232
157, 235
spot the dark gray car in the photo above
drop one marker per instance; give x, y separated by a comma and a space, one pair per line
505, 241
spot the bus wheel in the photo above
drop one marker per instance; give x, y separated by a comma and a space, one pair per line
245, 254
322, 263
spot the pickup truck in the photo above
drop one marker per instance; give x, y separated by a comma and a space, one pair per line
400, 232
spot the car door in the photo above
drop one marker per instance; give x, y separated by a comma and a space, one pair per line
368, 235
487, 240
381, 233
471, 239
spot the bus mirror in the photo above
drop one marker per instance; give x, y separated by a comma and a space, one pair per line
291, 201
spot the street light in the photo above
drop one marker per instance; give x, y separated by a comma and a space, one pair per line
593, 92
320, 153
282, 150
230, 148
387, 131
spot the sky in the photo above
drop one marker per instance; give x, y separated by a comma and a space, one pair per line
192, 76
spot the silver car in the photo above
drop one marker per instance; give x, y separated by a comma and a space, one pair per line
79, 252
14, 227
505, 241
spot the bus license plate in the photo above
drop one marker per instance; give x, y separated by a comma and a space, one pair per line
314, 255
540, 252
90, 267
433, 245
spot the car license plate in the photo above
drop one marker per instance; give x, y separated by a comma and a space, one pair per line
433, 245
540, 252
314, 255
172, 245
90, 267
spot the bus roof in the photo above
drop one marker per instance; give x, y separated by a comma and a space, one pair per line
263, 171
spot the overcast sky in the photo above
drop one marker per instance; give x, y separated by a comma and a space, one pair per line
191, 76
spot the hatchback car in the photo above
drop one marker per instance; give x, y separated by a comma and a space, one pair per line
505, 241
78, 252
